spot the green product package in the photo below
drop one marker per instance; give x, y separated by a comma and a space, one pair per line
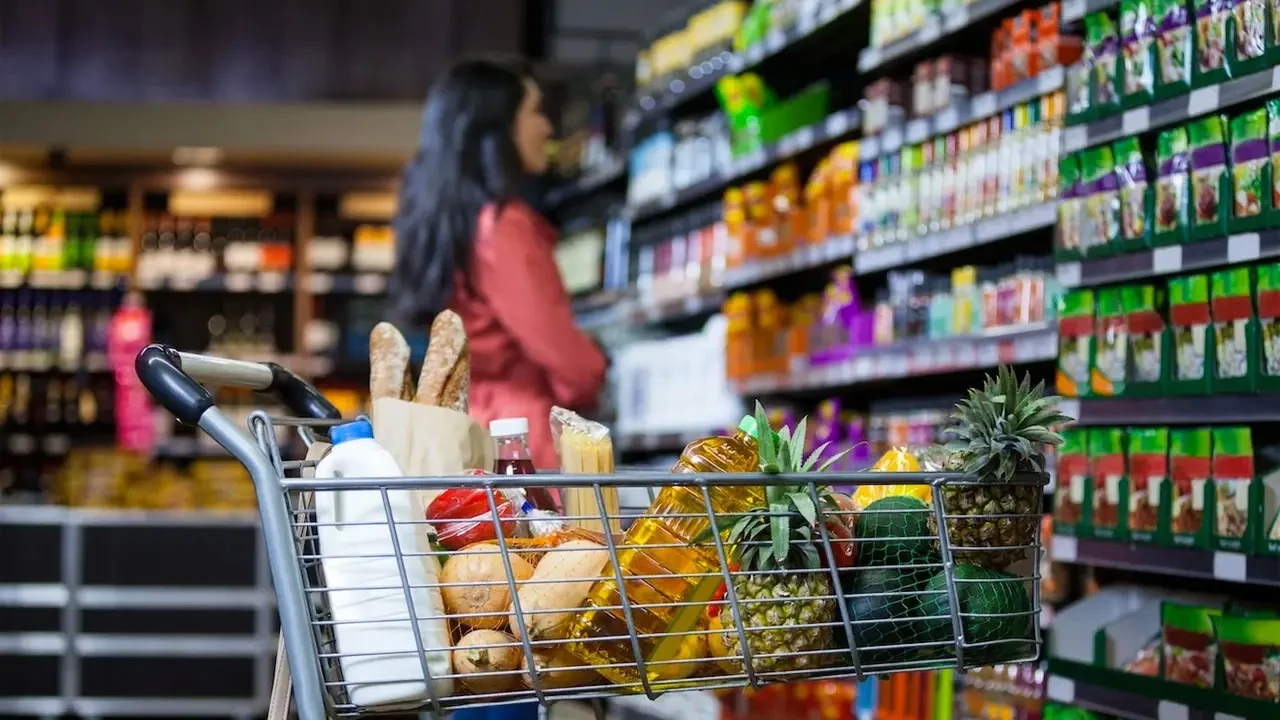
1235, 331
1189, 648
1250, 649
1248, 36
1137, 52
1269, 326
1100, 234
1250, 172
1071, 511
1110, 361
1137, 197
1191, 322
1148, 478
1173, 48
1110, 494
1075, 343
1273, 148
1190, 467
1102, 44
1210, 183
1235, 500
1150, 342
1212, 20
1070, 210
1172, 202
1078, 78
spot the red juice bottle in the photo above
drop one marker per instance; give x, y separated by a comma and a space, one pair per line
512, 456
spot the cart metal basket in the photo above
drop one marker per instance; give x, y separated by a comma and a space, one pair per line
891, 590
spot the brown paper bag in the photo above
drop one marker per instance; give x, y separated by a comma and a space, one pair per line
428, 440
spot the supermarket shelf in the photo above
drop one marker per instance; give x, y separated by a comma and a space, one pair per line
135, 707
1036, 217
63, 280
586, 184
934, 29
977, 108
1203, 410
185, 448
833, 127
1203, 255
85, 517
263, 282
1201, 101
917, 358
673, 441
839, 247
690, 307
702, 78
369, 283
1139, 697
1073, 10
1184, 562
47, 361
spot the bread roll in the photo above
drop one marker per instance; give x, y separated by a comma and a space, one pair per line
389, 375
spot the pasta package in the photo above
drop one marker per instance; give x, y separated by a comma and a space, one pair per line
585, 448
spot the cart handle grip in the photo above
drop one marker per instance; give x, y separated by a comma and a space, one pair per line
174, 379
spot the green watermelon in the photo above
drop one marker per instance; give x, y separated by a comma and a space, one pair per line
980, 593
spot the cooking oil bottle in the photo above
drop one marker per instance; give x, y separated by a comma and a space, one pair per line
660, 550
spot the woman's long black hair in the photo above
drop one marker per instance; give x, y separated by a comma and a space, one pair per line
466, 158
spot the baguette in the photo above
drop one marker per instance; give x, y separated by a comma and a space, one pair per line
444, 349
389, 375
457, 389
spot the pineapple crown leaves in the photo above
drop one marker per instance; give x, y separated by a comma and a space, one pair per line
1001, 428
780, 533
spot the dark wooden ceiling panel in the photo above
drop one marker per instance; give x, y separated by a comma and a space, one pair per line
243, 50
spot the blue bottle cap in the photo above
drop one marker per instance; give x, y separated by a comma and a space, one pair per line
358, 430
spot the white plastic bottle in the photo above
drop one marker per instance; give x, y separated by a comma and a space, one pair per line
379, 660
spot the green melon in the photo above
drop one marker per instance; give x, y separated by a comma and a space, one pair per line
895, 531
979, 592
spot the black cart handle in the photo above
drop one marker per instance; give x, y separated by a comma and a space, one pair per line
174, 379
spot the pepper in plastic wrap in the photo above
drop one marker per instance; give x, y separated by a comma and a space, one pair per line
461, 517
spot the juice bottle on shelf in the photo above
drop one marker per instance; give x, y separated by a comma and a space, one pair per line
762, 219
791, 219
661, 548
734, 211
818, 206
844, 183
737, 356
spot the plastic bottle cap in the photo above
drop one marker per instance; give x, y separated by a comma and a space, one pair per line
505, 427
748, 426
358, 430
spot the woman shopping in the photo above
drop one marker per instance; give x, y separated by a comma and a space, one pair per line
466, 242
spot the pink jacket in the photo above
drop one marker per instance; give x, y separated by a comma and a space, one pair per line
526, 352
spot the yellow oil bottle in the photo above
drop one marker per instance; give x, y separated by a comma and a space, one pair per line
660, 549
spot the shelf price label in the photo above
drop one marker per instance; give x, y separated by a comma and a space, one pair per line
1202, 100
837, 124
1136, 121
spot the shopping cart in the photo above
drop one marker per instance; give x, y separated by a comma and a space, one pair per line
687, 618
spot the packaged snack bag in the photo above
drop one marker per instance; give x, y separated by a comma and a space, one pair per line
1250, 172
1107, 466
1273, 148
1067, 245
1149, 340
1190, 463
1210, 184
1172, 201
1075, 344
1249, 36
1233, 481
1148, 473
1212, 18
1073, 479
1190, 650
1110, 363
1249, 646
1173, 48
1190, 317
1269, 326
1138, 52
1234, 331
1100, 236
792, 222
1104, 45
1136, 195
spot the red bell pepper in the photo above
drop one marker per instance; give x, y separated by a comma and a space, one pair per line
713, 608
462, 517
845, 552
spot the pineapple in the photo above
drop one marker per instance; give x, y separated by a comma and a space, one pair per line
999, 431
797, 592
